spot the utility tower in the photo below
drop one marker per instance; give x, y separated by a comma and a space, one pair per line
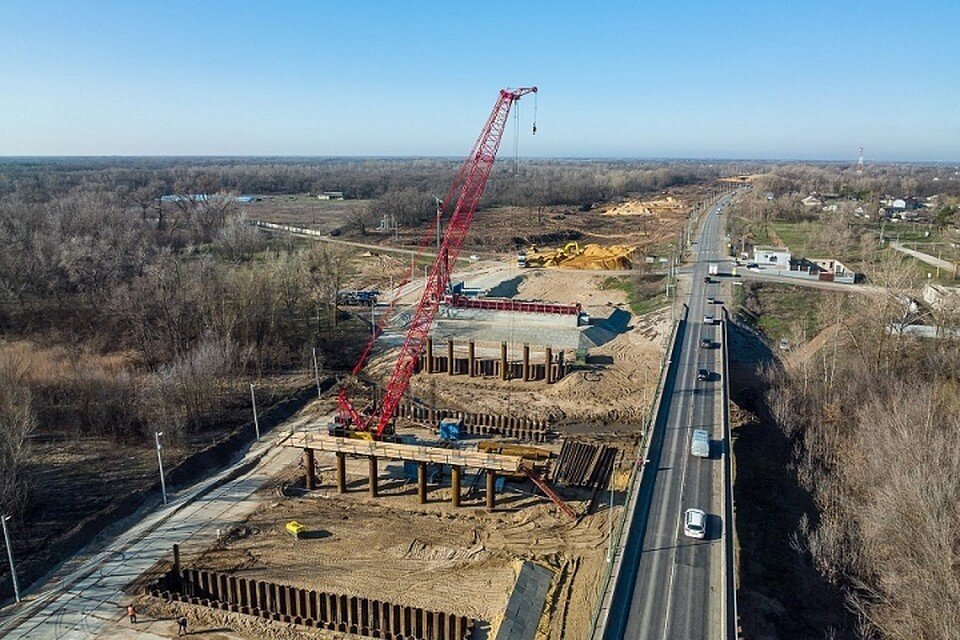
860, 162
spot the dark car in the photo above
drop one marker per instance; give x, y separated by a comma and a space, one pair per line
703, 374
706, 279
706, 343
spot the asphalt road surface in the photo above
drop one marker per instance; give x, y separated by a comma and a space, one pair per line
86, 599
672, 586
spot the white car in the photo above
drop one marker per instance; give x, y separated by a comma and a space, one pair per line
474, 258
708, 319
694, 523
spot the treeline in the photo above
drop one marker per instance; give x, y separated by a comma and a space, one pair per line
539, 182
875, 426
876, 181
116, 323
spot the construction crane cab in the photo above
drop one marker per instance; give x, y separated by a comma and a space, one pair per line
340, 427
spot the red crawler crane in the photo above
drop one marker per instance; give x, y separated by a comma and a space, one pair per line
466, 190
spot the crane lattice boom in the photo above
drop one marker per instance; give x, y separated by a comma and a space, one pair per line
466, 191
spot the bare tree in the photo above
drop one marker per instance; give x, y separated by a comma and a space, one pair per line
17, 422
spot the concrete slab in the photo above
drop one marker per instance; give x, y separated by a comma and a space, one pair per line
526, 603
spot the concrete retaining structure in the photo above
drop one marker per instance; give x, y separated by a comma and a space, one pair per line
550, 368
317, 609
525, 605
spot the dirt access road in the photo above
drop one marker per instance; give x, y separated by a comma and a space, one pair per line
85, 598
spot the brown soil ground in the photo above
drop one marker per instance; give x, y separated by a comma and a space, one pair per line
511, 228
434, 556
612, 391
610, 395
466, 560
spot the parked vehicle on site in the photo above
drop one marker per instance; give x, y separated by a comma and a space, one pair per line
352, 297
700, 443
695, 523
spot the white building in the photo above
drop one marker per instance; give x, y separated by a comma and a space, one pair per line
942, 298
772, 257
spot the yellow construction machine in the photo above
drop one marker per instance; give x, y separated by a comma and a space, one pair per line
534, 257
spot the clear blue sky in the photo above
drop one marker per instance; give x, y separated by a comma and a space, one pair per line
810, 79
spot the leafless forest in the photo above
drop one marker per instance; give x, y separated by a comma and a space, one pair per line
873, 418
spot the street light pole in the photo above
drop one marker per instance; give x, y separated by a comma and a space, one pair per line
163, 482
610, 519
439, 211
256, 419
316, 371
13, 569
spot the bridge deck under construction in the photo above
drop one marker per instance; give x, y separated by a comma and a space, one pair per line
397, 451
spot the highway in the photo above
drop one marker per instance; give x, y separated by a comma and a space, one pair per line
671, 586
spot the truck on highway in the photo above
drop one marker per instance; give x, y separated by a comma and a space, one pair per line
713, 269
700, 443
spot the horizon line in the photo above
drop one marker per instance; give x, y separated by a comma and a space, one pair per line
878, 161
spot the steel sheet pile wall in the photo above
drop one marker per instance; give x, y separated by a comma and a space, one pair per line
479, 424
581, 464
284, 603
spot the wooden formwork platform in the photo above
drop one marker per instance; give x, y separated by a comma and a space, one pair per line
396, 451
